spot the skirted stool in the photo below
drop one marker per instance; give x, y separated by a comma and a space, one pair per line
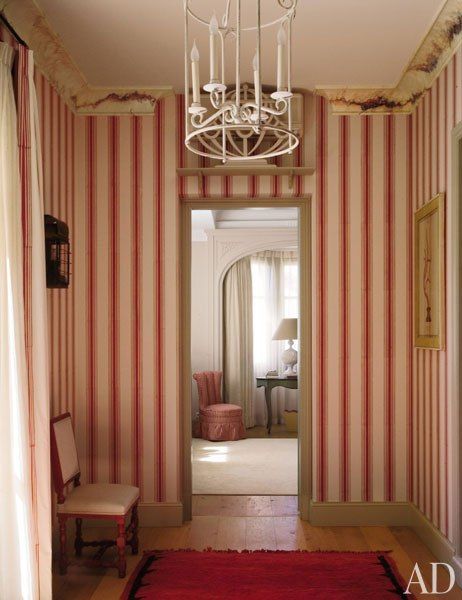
219, 422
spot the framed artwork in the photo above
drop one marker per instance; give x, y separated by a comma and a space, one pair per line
429, 280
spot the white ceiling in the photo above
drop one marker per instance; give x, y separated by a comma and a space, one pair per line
365, 43
243, 218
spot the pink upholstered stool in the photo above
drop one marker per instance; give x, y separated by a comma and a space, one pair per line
219, 422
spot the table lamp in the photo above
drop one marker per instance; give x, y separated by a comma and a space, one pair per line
287, 330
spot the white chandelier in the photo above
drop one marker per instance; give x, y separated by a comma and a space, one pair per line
240, 123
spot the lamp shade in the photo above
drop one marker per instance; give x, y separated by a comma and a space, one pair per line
287, 330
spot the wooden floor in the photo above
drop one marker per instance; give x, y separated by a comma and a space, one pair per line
249, 522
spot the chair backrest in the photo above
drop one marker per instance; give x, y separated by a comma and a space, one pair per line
209, 387
64, 460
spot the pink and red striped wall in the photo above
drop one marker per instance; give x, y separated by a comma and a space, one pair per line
430, 172
380, 408
361, 284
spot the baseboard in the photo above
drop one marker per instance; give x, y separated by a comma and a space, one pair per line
432, 537
356, 514
398, 514
161, 514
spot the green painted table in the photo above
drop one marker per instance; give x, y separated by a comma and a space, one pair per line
269, 383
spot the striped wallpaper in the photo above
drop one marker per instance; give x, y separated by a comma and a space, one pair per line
381, 409
361, 283
430, 129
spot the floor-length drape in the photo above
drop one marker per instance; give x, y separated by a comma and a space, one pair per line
238, 371
275, 296
18, 565
35, 308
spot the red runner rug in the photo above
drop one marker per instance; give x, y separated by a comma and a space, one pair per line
261, 575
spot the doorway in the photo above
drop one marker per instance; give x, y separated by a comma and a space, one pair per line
301, 205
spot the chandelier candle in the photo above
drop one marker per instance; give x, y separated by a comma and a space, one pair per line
195, 75
214, 38
237, 121
282, 44
256, 80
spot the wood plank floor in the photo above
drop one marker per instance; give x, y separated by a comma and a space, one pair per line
248, 522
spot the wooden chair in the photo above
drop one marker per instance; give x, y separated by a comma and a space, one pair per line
91, 501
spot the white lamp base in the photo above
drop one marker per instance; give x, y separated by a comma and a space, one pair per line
289, 359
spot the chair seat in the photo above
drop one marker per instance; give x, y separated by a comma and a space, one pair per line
100, 499
231, 410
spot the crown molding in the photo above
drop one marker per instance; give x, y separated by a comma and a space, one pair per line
435, 51
58, 67
54, 61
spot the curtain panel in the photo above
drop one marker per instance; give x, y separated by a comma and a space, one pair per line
275, 296
238, 373
35, 313
25, 499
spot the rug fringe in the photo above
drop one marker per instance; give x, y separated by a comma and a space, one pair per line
245, 551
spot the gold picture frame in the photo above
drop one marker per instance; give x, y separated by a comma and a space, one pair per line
429, 276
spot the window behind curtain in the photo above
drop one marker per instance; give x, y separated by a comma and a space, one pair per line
275, 296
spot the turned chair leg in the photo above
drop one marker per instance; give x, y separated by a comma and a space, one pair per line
62, 545
121, 546
78, 545
134, 529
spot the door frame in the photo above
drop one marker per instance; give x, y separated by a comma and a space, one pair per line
305, 442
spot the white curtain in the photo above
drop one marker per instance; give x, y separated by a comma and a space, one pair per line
239, 383
37, 347
25, 566
275, 296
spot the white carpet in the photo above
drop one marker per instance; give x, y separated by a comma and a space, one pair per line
252, 466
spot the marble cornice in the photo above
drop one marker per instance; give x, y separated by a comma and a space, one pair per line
57, 65
433, 54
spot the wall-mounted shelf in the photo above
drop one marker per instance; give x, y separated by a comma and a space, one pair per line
219, 171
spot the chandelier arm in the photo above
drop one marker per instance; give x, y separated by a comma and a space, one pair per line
196, 119
287, 4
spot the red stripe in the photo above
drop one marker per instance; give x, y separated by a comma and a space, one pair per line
73, 286
136, 301
91, 424
159, 167
366, 197
410, 315
344, 312
114, 297
389, 320
321, 186
180, 129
